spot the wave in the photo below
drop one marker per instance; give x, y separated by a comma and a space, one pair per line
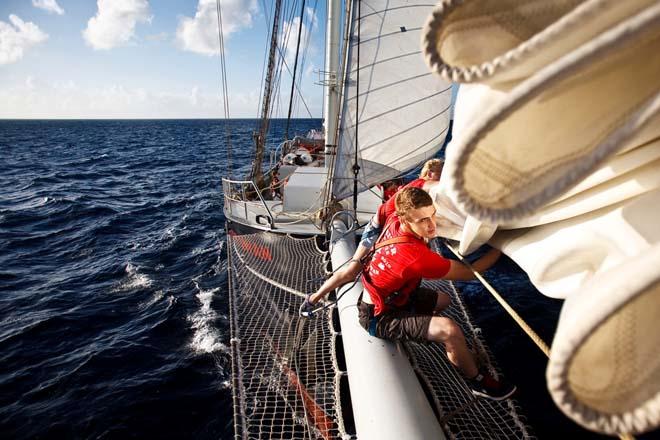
134, 279
206, 338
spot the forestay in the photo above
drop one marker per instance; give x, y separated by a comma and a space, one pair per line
402, 111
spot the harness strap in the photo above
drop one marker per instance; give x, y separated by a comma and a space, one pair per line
395, 240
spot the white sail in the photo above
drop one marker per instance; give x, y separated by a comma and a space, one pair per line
559, 142
402, 111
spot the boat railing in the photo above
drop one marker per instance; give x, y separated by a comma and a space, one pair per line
276, 154
240, 195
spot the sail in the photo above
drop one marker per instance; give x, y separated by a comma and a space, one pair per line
557, 143
398, 108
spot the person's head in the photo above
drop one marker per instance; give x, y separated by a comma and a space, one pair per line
416, 211
431, 169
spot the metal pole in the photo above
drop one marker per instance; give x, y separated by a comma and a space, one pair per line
331, 110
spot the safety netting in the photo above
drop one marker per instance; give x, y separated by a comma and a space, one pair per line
460, 413
285, 370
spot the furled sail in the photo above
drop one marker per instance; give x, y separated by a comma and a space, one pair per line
557, 143
401, 115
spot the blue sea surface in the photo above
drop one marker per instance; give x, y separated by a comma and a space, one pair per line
113, 283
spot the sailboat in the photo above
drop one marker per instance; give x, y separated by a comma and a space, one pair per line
574, 206
385, 114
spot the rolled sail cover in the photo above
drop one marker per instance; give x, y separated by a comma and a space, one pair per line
559, 146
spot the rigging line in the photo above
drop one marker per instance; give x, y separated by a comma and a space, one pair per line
256, 173
303, 60
306, 46
521, 322
342, 76
295, 68
270, 280
302, 98
282, 61
321, 76
225, 88
516, 317
356, 166
300, 95
263, 64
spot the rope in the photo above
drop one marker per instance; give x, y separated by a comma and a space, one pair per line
295, 67
516, 317
225, 88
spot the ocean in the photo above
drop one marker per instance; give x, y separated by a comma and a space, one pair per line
113, 283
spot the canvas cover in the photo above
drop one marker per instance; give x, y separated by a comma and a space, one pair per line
557, 144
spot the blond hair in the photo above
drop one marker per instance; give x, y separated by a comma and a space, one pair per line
411, 198
430, 165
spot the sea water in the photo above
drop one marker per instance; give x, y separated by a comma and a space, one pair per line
113, 283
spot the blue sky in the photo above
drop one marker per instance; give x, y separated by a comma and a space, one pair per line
143, 58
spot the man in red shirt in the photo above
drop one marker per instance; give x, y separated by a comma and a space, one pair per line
395, 307
428, 177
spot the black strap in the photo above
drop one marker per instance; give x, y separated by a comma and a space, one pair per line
367, 258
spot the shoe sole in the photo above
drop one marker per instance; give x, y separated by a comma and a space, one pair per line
498, 398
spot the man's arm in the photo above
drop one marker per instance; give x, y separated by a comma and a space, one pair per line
460, 272
347, 273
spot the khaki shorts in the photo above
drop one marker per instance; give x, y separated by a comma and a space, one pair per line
410, 323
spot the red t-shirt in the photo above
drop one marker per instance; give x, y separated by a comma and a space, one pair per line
387, 208
400, 268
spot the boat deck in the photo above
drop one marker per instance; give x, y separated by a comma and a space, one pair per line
254, 215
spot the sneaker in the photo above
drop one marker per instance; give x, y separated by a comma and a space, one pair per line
485, 385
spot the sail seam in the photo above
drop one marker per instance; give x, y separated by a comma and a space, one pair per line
378, 37
367, 147
385, 60
428, 5
397, 108
410, 78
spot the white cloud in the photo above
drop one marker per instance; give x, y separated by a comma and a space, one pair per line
162, 36
49, 6
34, 98
289, 36
114, 22
200, 33
17, 37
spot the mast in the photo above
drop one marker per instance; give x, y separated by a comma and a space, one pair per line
331, 110
260, 137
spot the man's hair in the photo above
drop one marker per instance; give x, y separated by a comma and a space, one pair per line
432, 164
411, 198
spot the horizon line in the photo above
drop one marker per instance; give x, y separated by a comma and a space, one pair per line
148, 119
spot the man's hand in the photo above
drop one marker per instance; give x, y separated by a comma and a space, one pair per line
307, 308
